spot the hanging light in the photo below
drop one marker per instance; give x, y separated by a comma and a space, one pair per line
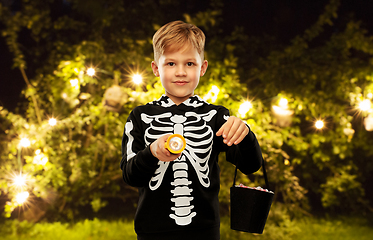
25, 142
91, 72
19, 180
319, 124
365, 105
282, 113
283, 103
244, 108
137, 79
52, 122
21, 197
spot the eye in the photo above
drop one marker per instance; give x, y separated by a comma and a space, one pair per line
189, 64
171, 64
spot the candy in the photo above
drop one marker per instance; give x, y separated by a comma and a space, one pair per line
255, 188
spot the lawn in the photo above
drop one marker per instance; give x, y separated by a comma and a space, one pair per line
305, 229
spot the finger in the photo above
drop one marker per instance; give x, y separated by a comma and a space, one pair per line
227, 127
243, 133
170, 157
233, 132
220, 131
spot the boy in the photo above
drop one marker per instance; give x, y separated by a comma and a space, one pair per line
178, 193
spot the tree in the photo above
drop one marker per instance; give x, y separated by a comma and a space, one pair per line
75, 162
65, 146
327, 76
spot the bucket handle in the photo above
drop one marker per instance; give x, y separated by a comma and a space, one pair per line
264, 174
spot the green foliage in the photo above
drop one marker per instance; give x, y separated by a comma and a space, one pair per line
76, 162
322, 78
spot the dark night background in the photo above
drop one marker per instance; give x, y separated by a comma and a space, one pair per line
282, 19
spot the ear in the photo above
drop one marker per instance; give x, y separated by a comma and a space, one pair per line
204, 68
155, 69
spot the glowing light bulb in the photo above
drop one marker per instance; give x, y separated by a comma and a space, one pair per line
137, 79
215, 90
74, 82
283, 103
319, 124
19, 180
365, 105
175, 143
52, 122
24, 142
244, 108
91, 72
21, 197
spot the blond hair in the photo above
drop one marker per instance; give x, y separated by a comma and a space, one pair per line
175, 35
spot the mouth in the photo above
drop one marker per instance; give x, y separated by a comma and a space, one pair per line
180, 83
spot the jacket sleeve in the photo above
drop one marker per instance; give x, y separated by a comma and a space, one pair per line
246, 155
138, 163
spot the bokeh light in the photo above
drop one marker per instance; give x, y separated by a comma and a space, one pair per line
137, 79
365, 105
19, 180
21, 197
52, 122
244, 108
25, 142
91, 72
319, 124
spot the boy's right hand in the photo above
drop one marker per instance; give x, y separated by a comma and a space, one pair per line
159, 151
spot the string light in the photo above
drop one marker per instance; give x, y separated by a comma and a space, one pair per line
52, 122
283, 103
282, 113
365, 105
91, 72
319, 124
25, 142
137, 79
19, 180
21, 197
244, 108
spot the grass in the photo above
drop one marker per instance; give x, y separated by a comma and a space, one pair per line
346, 229
305, 229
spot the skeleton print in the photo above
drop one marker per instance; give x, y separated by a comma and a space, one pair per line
198, 136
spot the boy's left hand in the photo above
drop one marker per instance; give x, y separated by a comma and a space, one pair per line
234, 130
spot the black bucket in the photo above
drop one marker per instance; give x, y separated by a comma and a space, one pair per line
249, 209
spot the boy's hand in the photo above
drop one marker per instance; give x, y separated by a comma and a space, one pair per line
234, 130
159, 151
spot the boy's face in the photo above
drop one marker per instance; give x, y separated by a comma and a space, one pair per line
179, 72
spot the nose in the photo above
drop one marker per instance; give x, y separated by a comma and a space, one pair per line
180, 71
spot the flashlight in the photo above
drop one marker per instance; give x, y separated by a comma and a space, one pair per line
175, 143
